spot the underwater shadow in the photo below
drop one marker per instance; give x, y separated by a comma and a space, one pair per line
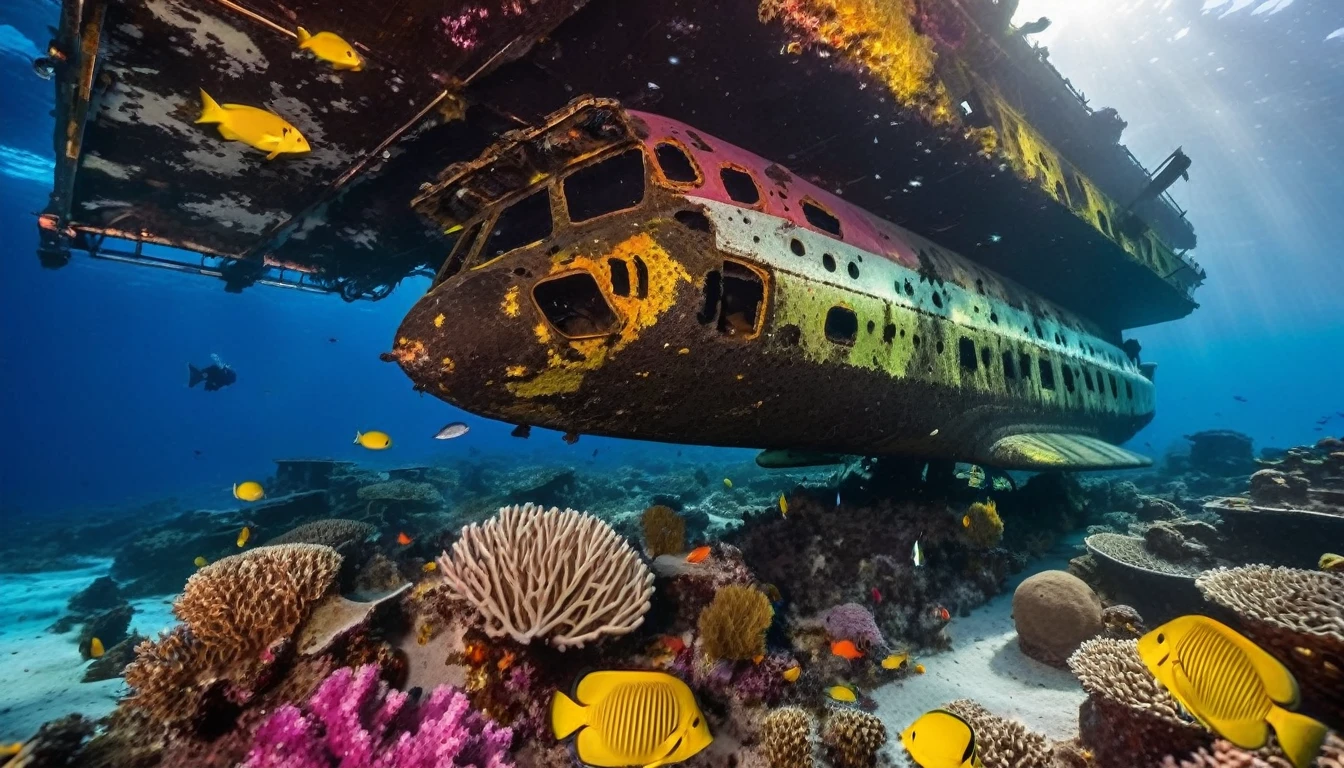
1009, 661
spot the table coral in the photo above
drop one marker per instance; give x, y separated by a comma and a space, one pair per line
356, 721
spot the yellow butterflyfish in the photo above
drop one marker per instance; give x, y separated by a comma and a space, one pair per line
250, 490
373, 440
895, 660
331, 48
200, 562
940, 739
783, 505
96, 648
1231, 685
429, 567
254, 127
244, 535
842, 693
792, 674
1331, 562
727, 483
631, 719
11, 749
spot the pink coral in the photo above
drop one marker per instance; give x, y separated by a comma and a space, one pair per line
355, 721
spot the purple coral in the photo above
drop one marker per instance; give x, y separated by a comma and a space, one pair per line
851, 621
355, 721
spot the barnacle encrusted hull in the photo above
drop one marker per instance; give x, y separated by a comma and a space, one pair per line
565, 577
1296, 615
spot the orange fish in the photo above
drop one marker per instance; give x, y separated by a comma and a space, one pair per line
846, 650
506, 660
475, 653
403, 539
942, 613
758, 658
698, 555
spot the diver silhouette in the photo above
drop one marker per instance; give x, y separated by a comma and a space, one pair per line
216, 376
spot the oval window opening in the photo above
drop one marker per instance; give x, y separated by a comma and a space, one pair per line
677, 166
614, 184
820, 218
842, 325
574, 305
739, 185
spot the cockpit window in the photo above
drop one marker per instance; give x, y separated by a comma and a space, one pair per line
614, 184
574, 305
525, 222
677, 166
821, 218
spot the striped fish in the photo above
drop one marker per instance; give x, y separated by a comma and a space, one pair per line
631, 719
1230, 685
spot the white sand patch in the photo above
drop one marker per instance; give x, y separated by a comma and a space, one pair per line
92, 162
211, 33
987, 666
42, 669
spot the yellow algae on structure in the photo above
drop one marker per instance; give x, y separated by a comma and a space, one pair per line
438, 321
877, 34
515, 371
564, 375
543, 333
408, 350
448, 366
510, 303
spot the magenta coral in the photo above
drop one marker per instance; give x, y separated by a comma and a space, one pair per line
851, 621
355, 721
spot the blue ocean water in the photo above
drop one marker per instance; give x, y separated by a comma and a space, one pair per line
97, 412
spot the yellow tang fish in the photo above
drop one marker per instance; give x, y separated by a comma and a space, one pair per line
842, 693
331, 48
254, 127
96, 648
895, 660
792, 674
244, 535
783, 505
727, 483
1331, 562
11, 749
374, 440
248, 491
200, 562
631, 718
940, 739
1230, 685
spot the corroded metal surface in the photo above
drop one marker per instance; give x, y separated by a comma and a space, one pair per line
932, 365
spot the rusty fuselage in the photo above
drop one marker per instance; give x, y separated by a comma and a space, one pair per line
617, 273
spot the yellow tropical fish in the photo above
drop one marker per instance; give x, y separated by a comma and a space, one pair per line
940, 739
430, 566
374, 440
842, 693
11, 749
783, 505
200, 562
331, 48
244, 535
248, 491
792, 674
919, 669
1331, 562
895, 660
96, 648
727, 483
254, 127
1230, 685
631, 719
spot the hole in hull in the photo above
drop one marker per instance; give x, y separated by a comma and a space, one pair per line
574, 305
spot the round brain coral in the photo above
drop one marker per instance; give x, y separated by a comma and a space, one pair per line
565, 576
246, 602
733, 625
1054, 612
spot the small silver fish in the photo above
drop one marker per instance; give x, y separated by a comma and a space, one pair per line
456, 429
917, 554
837, 499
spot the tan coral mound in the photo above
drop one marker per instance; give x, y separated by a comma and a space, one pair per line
786, 738
565, 577
1003, 743
664, 531
1129, 719
1296, 615
1224, 754
852, 738
733, 625
163, 679
1054, 612
248, 601
400, 490
334, 533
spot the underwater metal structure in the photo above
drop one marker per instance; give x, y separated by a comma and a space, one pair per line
932, 121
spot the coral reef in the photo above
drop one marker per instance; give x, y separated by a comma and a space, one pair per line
983, 527
851, 621
1054, 612
1221, 452
786, 738
1296, 615
733, 625
401, 490
852, 738
1003, 743
335, 533
565, 577
1271, 488
356, 721
664, 531
1225, 754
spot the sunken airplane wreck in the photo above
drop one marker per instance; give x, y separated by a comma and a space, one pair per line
628, 275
